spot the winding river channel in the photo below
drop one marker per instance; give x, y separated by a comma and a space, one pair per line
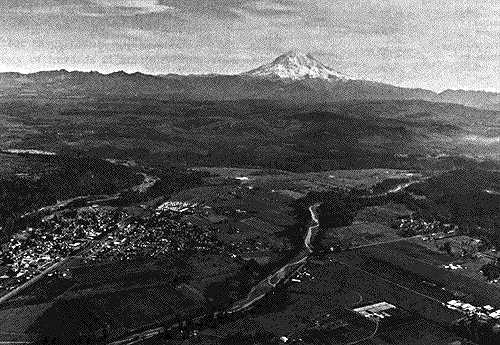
269, 283
266, 285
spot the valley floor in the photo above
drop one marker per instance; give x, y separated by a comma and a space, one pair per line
241, 256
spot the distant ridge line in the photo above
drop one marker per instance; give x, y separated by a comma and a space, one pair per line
292, 76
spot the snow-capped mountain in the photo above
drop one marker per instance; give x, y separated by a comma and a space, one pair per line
296, 66
290, 77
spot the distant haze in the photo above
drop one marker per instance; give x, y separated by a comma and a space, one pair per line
433, 44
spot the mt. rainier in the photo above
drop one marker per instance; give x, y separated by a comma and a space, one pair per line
296, 66
293, 77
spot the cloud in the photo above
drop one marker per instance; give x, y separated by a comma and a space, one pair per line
97, 8
218, 9
128, 7
435, 44
233, 9
477, 139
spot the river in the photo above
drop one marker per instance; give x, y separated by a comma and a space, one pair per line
269, 283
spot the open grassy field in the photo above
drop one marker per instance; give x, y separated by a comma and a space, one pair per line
116, 296
465, 251
310, 181
360, 234
317, 311
384, 214
117, 311
416, 269
18, 320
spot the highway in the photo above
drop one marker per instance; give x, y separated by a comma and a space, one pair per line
30, 282
371, 336
384, 242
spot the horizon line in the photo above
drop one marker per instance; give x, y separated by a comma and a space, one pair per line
152, 74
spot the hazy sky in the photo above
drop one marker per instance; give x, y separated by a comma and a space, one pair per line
434, 44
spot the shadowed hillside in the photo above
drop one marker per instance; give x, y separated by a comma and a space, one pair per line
340, 135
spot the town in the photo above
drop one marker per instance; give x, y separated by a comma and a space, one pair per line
411, 226
35, 249
161, 234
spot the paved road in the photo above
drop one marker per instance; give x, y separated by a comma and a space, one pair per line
371, 336
32, 281
384, 242
140, 337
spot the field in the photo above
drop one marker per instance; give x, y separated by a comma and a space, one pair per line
464, 251
357, 235
414, 268
255, 225
117, 296
256, 220
384, 214
318, 311
285, 182
18, 320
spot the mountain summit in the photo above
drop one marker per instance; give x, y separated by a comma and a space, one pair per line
291, 77
296, 66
